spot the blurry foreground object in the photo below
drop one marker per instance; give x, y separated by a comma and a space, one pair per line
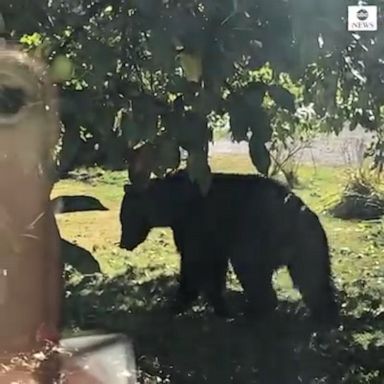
30, 267
90, 359
104, 359
30, 278
31, 284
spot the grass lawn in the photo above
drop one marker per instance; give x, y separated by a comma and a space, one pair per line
199, 348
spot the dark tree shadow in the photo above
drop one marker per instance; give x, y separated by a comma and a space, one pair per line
72, 254
76, 203
78, 258
285, 348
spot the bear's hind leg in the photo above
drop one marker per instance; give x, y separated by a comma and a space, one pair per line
215, 284
255, 276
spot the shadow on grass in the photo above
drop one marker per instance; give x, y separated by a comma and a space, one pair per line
78, 258
200, 348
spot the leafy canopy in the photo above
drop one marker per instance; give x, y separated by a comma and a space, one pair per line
156, 74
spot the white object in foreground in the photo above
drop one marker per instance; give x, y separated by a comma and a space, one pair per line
110, 359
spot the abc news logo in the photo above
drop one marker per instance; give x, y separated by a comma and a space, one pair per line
362, 18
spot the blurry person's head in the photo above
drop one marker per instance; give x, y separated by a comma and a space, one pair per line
28, 234
28, 120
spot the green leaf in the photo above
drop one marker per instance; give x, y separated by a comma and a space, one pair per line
171, 121
330, 90
239, 125
177, 84
102, 59
61, 69
320, 98
246, 113
192, 66
261, 126
193, 133
148, 8
369, 120
167, 156
140, 165
163, 53
33, 40
44, 50
305, 33
146, 116
254, 93
239, 117
282, 97
206, 102
354, 122
199, 170
129, 129
363, 101
259, 155
2, 24
217, 63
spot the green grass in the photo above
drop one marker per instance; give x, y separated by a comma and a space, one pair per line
199, 348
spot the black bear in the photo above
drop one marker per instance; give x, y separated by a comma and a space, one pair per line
253, 221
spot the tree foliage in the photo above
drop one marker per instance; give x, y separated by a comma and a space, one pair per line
153, 73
